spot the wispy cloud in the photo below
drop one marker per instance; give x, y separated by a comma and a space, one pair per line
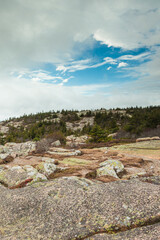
89, 63
109, 68
85, 64
122, 64
141, 56
75, 66
41, 76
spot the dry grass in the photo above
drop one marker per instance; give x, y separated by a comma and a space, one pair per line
107, 144
67, 172
149, 149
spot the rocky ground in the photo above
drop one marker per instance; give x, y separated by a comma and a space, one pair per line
100, 193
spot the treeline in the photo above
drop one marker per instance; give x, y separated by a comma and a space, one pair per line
133, 121
35, 131
142, 119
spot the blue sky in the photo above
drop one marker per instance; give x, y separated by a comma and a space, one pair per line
82, 54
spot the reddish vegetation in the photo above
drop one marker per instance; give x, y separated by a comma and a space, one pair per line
23, 184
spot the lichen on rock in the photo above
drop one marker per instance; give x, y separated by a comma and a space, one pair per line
46, 168
110, 168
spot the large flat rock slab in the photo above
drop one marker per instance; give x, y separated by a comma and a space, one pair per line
76, 208
64, 152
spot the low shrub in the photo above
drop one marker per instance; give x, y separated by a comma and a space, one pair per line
44, 144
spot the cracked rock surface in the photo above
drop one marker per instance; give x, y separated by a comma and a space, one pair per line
151, 232
75, 208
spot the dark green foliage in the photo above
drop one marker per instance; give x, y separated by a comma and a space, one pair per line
89, 114
70, 116
98, 134
86, 129
108, 121
131, 121
34, 131
142, 119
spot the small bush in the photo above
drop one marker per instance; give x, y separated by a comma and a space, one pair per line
44, 144
52, 137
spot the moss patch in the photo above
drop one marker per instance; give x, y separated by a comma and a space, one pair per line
76, 161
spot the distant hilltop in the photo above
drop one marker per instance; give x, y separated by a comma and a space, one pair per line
101, 125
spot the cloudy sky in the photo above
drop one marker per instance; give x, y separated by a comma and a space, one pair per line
78, 54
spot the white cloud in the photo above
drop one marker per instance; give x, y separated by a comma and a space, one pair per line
40, 76
141, 56
61, 68
65, 80
150, 70
109, 68
38, 32
89, 63
110, 60
122, 64
46, 31
75, 66
85, 64
18, 97
130, 24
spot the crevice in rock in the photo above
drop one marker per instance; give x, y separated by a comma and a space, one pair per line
148, 181
117, 228
151, 179
4, 184
20, 185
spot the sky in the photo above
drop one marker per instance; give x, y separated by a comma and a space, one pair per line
78, 54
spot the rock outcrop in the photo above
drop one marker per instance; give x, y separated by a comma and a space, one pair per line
74, 141
18, 149
18, 176
147, 139
64, 152
76, 208
4, 129
111, 168
46, 168
56, 143
80, 124
6, 157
